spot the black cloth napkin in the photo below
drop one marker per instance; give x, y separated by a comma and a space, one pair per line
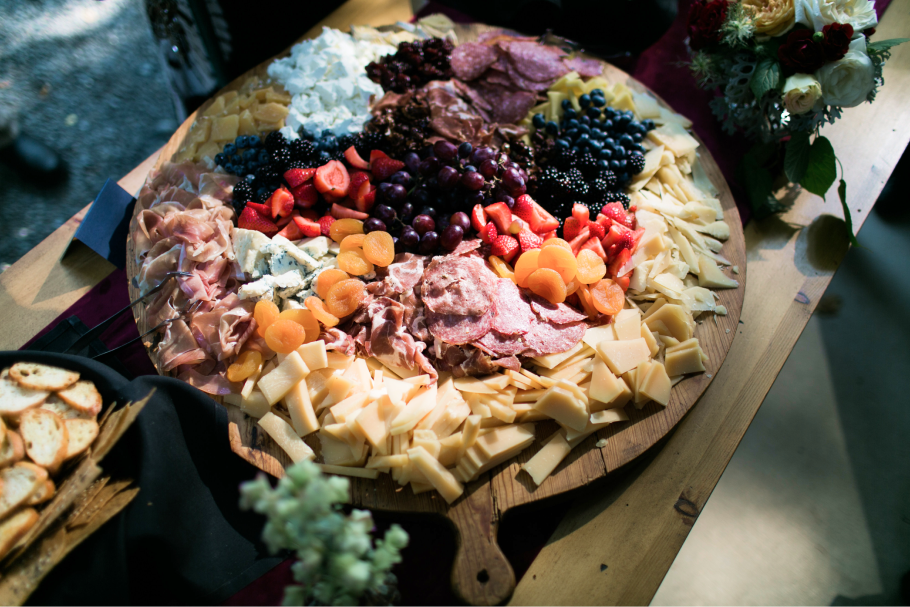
105, 226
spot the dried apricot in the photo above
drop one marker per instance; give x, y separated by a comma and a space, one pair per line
284, 336
344, 298
548, 284
345, 227
265, 313
503, 269
354, 241
315, 305
327, 278
587, 303
591, 267
245, 366
572, 286
354, 262
608, 297
306, 319
559, 242
379, 248
525, 265
559, 259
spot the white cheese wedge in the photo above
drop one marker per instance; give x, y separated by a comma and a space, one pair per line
285, 376
314, 355
419, 405
598, 420
473, 385
710, 275
347, 471
349, 406
497, 381
563, 406
627, 324
337, 360
283, 434
605, 387
549, 361
656, 385
550, 455
441, 479
621, 356
470, 433
303, 416
255, 405
671, 320
681, 362
388, 461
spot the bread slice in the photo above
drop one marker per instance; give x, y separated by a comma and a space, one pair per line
80, 434
63, 410
14, 399
19, 483
83, 396
45, 437
11, 450
14, 528
44, 493
42, 377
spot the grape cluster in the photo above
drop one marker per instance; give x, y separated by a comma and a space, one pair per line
427, 205
413, 65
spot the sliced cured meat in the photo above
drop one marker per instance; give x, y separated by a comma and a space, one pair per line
389, 340
405, 272
558, 314
500, 345
457, 329
536, 61
461, 361
513, 315
467, 246
512, 107
509, 362
338, 340
495, 35
520, 81
470, 59
586, 68
458, 285
547, 338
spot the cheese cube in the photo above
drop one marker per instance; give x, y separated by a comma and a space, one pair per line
427, 440
441, 479
656, 385
303, 417
621, 356
627, 324
283, 434
450, 449
564, 407
314, 355
285, 376
545, 461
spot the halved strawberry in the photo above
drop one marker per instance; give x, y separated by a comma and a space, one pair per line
501, 215
549, 235
295, 177
250, 219
333, 178
593, 244
505, 246
614, 211
581, 213
308, 227
478, 218
579, 240
612, 238
282, 202
283, 221
621, 258
374, 154
604, 220
358, 178
597, 230
529, 240
524, 207
623, 281
325, 222
383, 168
340, 212
571, 228
291, 231
488, 233
541, 221
309, 214
355, 160
636, 238
305, 195
365, 203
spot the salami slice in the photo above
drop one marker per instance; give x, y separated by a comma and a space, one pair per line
457, 329
536, 61
499, 345
586, 68
467, 246
470, 59
558, 314
513, 314
513, 107
547, 338
459, 285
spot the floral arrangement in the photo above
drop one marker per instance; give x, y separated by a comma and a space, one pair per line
338, 561
784, 69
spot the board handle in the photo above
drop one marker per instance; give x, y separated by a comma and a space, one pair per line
481, 574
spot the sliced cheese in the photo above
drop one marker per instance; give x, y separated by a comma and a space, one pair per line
255, 405
627, 324
605, 387
498, 381
545, 461
314, 355
709, 275
285, 376
337, 360
347, 471
303, 417
621, 356
563, 406
283, 434
656, 385
684, 361
419, 405
549, 361
441, 479
473, 385
671, 320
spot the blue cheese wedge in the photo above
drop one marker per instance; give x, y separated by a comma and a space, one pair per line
250, 251
288, 284
260, 290
284, 252
315, 247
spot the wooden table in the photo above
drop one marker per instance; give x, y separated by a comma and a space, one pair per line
635, 524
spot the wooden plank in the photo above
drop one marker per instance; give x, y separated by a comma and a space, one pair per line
638, 525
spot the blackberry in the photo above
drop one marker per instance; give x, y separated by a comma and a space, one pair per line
617, 196
243, 191
346, 141
281, 157
610, 178
577, 185
588, 166
599, 188
301, 149
262, 194
367, 142
564, 159
275, 140
636, 162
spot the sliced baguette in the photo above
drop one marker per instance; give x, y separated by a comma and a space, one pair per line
19, 483
44, 493
63, 410
13, 528
14, 399
12, 449
45, 437
82, 395
80, 434
42, 377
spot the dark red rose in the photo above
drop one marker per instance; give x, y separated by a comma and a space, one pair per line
800, 53
837, 40
705, 21
869, 32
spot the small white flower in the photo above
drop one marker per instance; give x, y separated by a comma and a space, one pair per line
847, 82
819, 13
801, 93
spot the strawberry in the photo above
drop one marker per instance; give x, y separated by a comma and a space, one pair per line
358, 178
549, 235
581, 213
308, 213
614, 211
478, 218
571, 228
488, 233
290, 230
355, 160
524, 207
263, 209
305, 195
250, 219
505, 246
541, 221
604, 221
579, 240
636, 237
340, 212
529, 240
366, 202
383, 168
294, 177
623, 281
377, 154
593, 244
333, 179
308, 227
283, 221
325, 222
597, 230
618, 262
501, 215
282, 202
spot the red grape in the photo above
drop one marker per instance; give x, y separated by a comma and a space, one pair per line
412, 161
488, 168
429, 242
429, 165
423, 224
446, 151
400, 178
373, 225
447, 177
472, 181
409, 237
384, 213
451, 237
460, 219
481, 154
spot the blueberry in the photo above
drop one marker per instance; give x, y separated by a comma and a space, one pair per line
626, 140
572, 123
584, 101
249, 155
610, 142
614, 165
595, 145
230, 149
605, 154
583, 137
597, 92
585, 120
648, 124
253, 141
637, 137
603, 165
571, 133
327, 133
598, 101
263, 157
623, 164
306, 134
570, 114
324, 157
219, 159
593, 112
619, 152
552, 128
538, 121
584, 128
465, 149
566, 104
562, 143
595, 134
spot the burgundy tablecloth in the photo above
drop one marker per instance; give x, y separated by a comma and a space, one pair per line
424, 574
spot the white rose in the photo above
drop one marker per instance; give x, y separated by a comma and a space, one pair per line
819, 13
801, 93
847, 82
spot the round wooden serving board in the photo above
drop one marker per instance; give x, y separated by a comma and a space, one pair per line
481, 573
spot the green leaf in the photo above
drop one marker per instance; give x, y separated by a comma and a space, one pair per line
822, 168
884, 45
797, 158
765, 78
842, 193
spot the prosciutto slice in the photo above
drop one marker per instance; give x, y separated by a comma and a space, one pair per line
389, 340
